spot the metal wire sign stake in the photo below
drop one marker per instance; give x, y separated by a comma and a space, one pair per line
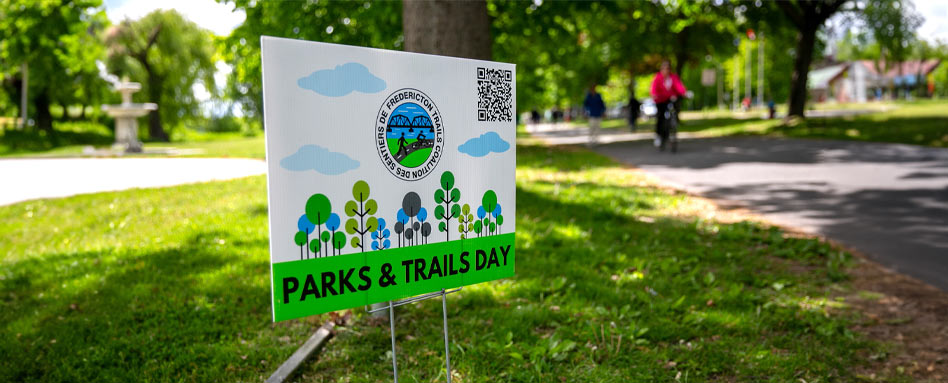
390, 177
391, 318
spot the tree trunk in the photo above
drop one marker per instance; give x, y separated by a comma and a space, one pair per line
155, 130
44, 119
806, 38
448, 28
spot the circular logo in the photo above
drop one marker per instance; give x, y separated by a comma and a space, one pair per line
409, 134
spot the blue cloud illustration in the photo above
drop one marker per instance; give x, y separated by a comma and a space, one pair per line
320, 159
487, 143
342, 80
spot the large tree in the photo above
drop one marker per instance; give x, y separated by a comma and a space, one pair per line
449, 28
169, 55
368, 24
892, 25
57, 41
808, 17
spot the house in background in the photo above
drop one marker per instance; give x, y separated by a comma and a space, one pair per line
860, 81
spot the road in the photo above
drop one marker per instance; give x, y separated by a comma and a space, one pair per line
888, 201
26, 179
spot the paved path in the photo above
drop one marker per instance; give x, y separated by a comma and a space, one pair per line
26, 179
889, 201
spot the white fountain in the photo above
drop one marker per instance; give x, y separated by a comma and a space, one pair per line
126, 117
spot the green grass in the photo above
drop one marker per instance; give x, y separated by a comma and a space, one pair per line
922, 122
72, 138
172, 284
413, 160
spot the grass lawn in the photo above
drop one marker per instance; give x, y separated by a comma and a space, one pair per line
72, 138
617, 280
923, 122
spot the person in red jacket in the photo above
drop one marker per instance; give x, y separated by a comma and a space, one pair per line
666, 89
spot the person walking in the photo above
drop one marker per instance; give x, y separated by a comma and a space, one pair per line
595, 107
634, 109
666, 88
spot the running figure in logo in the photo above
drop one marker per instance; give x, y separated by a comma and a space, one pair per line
406, 141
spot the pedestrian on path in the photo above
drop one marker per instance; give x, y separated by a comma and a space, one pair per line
634, 108
594, 110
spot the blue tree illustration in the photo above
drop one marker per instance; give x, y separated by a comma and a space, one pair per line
332, 233
425, 227
498, 217
380, 239
304, 225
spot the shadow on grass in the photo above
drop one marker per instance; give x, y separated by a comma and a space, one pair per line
181, 313
700, 294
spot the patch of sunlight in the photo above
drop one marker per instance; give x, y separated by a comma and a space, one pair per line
716, 317
571, 231
852, 133
807, 303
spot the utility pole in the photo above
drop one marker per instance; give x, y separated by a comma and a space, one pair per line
760, 70
24, 86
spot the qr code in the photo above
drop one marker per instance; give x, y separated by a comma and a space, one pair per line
494, 95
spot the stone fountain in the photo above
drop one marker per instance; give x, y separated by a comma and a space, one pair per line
126, 117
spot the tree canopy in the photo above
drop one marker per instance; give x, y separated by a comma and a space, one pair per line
59, 43
168, 54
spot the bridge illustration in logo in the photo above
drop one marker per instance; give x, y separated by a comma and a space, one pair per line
410, 135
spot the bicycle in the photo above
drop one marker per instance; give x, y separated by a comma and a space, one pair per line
671, 124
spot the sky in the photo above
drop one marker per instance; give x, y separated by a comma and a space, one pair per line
209, 14
936, 19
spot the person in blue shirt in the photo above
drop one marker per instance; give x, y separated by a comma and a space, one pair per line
594, 109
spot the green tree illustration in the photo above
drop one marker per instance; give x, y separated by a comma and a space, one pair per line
500, 222
478, 227
338, 241
361, 207
489, 203
318, 209
314, 245
448, 195
466, 221
300, 239
325, 237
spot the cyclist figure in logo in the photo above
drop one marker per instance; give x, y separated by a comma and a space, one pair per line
421, 136
401, 144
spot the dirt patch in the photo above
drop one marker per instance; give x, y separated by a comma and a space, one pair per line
906, 313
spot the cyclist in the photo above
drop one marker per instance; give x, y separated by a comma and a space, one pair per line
666, 88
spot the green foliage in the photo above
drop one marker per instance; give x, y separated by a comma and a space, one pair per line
489, 201
465, 221
338, 240
314, 246
58, 39
300, 238
318, 209
168, 55
367, 24
448, 195
361, 207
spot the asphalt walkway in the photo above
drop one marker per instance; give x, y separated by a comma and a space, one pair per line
888, 201
27, 179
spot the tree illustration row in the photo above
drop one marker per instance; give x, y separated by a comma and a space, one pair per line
321, 234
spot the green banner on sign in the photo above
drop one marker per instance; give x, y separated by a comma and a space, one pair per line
316, 286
